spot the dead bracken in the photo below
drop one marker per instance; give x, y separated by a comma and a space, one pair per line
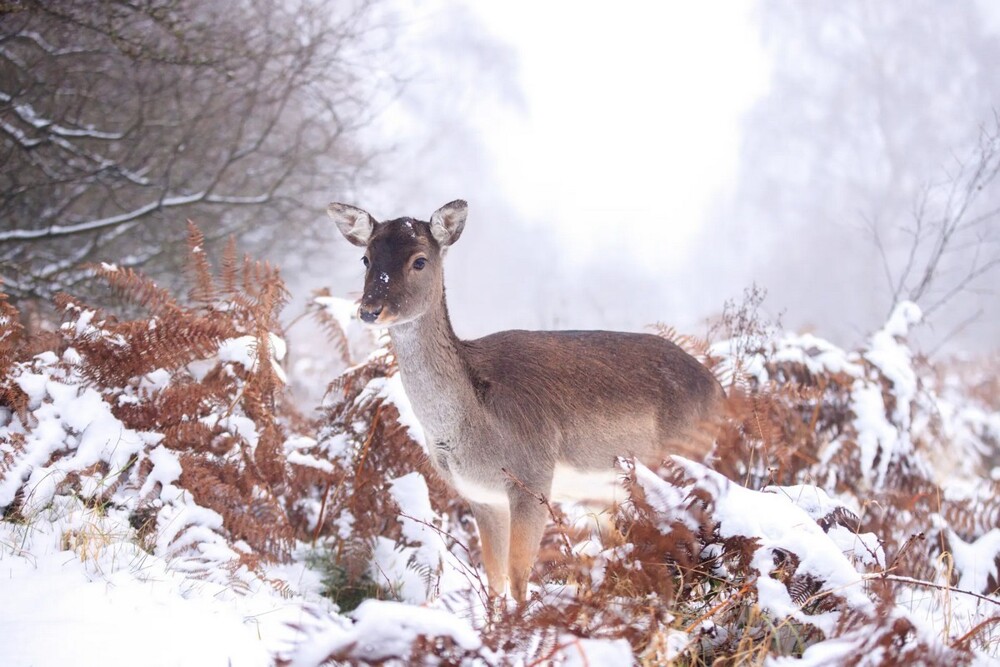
845, 513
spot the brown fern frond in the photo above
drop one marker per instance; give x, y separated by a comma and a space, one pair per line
971, 518
118, 351
134, 287
195, 436
229, 273
12, 447
693, 345
10, 332
270, 459
248, 514
331, 327
202, 290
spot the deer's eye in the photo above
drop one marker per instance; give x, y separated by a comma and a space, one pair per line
419, 263
364, 260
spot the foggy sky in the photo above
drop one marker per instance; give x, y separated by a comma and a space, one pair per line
776, 185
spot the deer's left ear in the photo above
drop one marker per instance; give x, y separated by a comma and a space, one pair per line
356, 225
448, 222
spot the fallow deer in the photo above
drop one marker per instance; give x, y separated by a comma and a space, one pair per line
519, 415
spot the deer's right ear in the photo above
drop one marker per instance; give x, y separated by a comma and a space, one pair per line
448, 222
356, 225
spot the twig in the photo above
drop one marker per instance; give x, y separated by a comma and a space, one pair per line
322, 512
483, 590
929, 584
968, 635
365, 448
910, 541
711, 612
545, 501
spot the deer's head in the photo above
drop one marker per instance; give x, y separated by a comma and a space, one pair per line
404, 276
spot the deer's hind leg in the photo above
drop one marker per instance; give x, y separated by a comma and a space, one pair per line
493, 522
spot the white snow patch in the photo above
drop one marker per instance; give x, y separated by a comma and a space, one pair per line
578, 652
104, 600
778, 524
391, 389
298, 458
384, 630
243, 350
975, 560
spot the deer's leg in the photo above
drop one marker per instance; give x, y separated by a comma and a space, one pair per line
493, 522
528, 517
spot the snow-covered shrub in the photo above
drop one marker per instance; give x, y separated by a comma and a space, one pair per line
817, 526
175, 416
388, 515
848, 512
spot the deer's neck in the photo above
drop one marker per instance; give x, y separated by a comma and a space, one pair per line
433, 371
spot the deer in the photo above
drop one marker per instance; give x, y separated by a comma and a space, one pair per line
518, 417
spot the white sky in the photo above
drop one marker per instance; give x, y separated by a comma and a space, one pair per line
630, 120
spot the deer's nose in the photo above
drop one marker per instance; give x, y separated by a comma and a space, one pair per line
369, 313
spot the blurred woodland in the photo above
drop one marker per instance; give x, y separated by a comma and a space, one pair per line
120, 119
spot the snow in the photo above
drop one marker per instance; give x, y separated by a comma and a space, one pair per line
166, 470
877, 439
664, 498
585, 652
828, 653
243, 351
894, 359
342, 310
67, 418
384, 630
733, 365
816, 502
77, 590
904, 316
391, 390
239, 425
975, 560
418, 572
110, 595
816, 354
298, 458
779, 524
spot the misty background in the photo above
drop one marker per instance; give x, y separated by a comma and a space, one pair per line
623, 166
647, 163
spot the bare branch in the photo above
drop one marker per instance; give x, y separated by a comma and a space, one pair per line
131, 117
142, 211
950, 225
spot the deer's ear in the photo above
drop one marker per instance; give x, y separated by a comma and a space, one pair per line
356, 225
448, 222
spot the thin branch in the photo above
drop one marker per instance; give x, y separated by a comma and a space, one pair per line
91, 225
927, 584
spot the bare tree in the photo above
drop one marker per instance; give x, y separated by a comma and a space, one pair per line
952, 242
121, 118
867, 103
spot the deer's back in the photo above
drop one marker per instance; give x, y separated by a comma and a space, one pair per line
591, 394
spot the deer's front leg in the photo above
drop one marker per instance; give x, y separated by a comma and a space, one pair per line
528, 516
493, 522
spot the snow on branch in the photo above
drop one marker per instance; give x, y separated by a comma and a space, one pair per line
115, 220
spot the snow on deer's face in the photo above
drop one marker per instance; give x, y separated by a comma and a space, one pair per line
403, 260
